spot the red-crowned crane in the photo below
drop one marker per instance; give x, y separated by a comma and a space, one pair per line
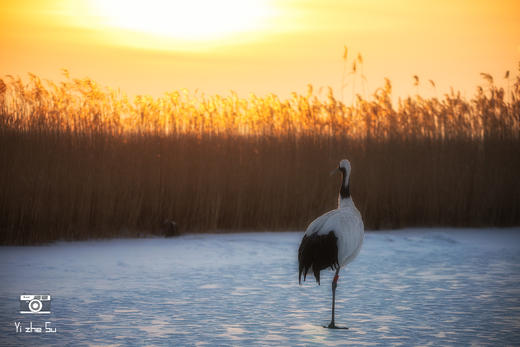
333, 239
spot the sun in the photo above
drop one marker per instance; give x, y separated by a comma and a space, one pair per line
186, 20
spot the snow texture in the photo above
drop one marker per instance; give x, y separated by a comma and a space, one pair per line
411, 287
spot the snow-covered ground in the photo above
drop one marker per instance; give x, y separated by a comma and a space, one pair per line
411, 287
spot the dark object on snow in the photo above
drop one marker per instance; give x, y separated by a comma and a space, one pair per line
170, 229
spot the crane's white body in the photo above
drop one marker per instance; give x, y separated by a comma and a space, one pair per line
347, 225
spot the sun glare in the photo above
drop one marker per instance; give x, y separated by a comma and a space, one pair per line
193, 20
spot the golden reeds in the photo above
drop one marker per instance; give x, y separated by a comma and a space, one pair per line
80, 160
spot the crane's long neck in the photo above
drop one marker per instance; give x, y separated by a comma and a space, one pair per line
344, 198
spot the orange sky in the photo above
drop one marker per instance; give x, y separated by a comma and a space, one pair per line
262, 46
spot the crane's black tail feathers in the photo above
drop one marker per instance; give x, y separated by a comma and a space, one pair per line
317, 252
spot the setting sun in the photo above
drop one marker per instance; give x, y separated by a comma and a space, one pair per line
185, 22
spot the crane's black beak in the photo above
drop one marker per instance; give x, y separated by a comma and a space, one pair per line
334, 171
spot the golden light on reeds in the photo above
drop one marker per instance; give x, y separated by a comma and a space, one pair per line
83, 105
81, 160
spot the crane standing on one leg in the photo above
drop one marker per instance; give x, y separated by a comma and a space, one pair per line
333, 239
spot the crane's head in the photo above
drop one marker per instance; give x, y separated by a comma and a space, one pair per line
343, 167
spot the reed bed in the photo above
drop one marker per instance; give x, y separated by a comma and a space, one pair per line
82, 161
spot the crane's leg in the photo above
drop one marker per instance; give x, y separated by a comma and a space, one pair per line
334, 285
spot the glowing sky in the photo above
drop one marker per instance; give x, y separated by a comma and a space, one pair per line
262, 46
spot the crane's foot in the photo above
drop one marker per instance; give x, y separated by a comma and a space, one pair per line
334, 326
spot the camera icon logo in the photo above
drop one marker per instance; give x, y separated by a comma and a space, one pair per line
35, 304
